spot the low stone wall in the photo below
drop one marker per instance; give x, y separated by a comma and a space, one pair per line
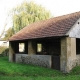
40, 60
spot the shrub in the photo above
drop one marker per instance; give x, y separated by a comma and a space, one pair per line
4, 51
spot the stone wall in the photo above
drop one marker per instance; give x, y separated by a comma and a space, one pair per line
40, 60
31, 47
71, 63
78, 59
74, 62
68, 54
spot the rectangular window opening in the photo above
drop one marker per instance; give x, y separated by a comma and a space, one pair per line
39, 47
21, 47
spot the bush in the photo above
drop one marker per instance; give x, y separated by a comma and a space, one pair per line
4, 51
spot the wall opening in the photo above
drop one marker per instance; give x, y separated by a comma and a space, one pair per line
77, 46
21, 47
39, 47
49, 47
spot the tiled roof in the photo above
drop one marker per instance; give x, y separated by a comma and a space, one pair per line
57, 26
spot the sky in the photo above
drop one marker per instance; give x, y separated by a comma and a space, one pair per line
56, 7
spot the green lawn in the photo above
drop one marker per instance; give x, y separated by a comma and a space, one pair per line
13, 71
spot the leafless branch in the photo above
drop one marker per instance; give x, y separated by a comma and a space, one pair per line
5, 24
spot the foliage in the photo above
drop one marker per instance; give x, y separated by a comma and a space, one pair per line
8, 34
4, 51
2, 48
27, 13
15, 71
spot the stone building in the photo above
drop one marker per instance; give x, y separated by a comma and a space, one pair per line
52, 43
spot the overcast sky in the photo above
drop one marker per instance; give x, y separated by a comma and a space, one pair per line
56, 7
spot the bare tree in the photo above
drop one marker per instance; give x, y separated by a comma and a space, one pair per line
4, 27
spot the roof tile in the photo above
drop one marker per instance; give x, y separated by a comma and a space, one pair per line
57, 26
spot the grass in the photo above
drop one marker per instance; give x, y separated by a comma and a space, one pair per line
15, 71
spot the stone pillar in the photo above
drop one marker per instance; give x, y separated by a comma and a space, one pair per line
31, 47
11, 52
68, 54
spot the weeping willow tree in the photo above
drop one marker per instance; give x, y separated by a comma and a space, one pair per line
27, 13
